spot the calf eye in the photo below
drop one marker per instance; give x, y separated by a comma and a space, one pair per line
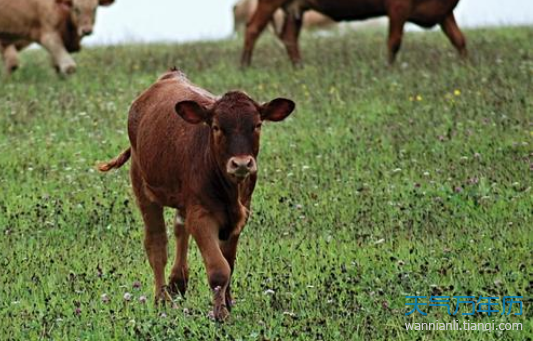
216, 129
257, 126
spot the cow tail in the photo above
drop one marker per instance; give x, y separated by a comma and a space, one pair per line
116, 162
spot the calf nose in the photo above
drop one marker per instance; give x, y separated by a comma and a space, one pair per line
241, 166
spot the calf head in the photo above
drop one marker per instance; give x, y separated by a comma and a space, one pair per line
83, 13
235, 127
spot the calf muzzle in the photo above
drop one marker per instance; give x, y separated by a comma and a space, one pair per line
241, 166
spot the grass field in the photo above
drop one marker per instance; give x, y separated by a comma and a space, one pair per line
414, 180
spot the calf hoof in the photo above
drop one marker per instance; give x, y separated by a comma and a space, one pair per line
230, 302
220, 311
177, 285
220, 314
162, 296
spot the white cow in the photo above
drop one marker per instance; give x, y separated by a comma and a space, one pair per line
57, 25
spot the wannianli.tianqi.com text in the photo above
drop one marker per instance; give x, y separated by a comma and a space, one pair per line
455, 325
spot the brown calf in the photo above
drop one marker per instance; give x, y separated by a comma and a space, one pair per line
196, 153
426, 13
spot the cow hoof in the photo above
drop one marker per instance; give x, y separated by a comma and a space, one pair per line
246, 62
12, 68
298, 65
65, 70
69, 70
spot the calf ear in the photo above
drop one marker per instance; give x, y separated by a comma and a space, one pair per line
105, 2
277, 109
192, 112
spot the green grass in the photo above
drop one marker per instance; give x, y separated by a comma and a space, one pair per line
386, 182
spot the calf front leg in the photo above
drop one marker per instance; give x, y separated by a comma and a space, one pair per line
180, 272
53, 43
204, 230
229, 250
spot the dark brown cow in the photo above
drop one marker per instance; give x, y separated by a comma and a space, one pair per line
426, 13
196, 153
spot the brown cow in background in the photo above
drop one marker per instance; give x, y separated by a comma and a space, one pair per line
57, 25
195, 152
426, 13
244, 10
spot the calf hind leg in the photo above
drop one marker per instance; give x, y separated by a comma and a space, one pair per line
155, 234
155, 244
452, 31
180, 272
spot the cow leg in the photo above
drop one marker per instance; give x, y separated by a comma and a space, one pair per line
289, 36
452, 31
205, 232
155, 234
397, 18
53, 43
180, 272
10, 57
229, 250
262, 16
277, 22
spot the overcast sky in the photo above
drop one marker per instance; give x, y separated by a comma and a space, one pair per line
179, 20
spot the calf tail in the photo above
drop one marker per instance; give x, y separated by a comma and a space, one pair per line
116, 162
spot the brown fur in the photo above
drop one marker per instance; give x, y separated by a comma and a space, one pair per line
243, 11
425, 13
195, 152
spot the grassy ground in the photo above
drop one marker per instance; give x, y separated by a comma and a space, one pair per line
414, 180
